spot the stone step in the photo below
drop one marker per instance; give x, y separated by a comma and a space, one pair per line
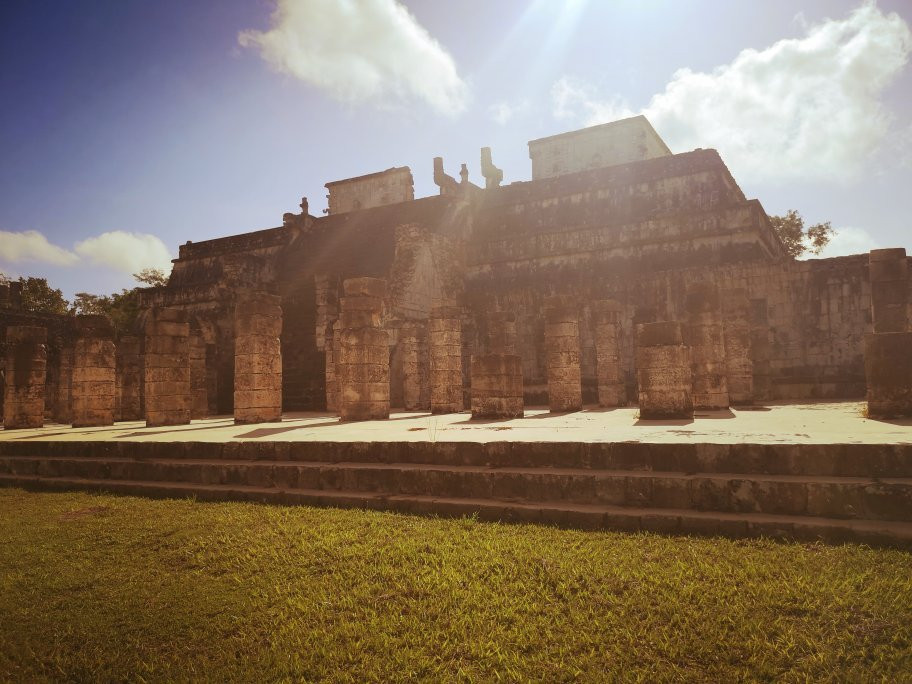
661, 520
825, 496
850, 460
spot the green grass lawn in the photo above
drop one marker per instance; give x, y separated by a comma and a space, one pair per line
113, 588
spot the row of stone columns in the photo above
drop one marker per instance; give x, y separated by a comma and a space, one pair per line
161, 378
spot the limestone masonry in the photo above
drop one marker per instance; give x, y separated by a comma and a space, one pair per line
620, 272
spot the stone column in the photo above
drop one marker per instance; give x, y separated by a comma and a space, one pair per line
607, 318
26, 373
63, 406
199, 395
330, 353
415, 372
94, 362
497, 386
327, 307
888, 351
364, 373
562, 351
761, 349
166, 373
130, 372
445, 345
703, 334
501, 333
258, 359
663, 372
889, 275
739, 366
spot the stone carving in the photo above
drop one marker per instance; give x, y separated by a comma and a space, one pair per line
611, 389
446, 183
492, 175
663, 372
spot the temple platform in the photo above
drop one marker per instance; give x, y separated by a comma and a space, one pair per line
810, 472
818, 423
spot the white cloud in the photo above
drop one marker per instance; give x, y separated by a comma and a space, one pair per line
360, 50
117, 250
504, 112
32, 246
849, 240
127, 252
805, 108
575, 99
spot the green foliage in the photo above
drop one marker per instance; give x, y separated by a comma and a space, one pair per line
105, 588
153, 277
796, 238
40, 297
122, 308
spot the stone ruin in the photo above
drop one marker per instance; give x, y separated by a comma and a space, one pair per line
620, 274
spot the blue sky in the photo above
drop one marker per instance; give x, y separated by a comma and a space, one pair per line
130, 127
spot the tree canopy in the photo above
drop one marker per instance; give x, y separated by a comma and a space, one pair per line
798, 239
39, 297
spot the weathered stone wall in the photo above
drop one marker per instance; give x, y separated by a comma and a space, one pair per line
25, 374
497, 386
258, 359
94, 378
618, 142
372, 190
166, 372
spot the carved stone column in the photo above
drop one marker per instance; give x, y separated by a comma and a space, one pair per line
364, 372
94, 363
888, 351
258, 359
166, 370
26, 373
413, 342
199, 394
562, 349
445, 344
130, 373
739, 363
663, 372
703, 333
611, 389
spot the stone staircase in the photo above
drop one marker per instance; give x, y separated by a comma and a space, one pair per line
836, 493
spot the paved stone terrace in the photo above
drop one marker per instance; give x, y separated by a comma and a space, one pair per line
820, 423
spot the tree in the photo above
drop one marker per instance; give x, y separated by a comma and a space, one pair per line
122, 308
153, 277
38, 296
796, 238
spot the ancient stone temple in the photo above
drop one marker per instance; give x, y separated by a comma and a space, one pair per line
612, 230
586, 317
